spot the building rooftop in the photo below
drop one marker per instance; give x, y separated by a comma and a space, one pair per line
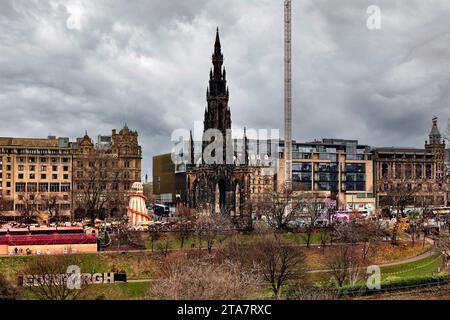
401, 150
29, 142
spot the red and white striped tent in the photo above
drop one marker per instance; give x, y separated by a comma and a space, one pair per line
137, 210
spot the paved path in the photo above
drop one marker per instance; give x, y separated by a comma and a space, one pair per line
422, 256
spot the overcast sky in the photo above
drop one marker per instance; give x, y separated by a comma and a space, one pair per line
71, 66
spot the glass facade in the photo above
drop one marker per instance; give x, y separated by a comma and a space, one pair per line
323, 169
355, 177
302, 176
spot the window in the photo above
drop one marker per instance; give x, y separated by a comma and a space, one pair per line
429, 171
384, 170
327, 186
419, 171
304, 167
79, 174
20, 187
408, 171
54, 187
66, 177
20, 176
8, 184
32, 187
355, 167
355, 177
21, 159
65, 187
66, 168
32, 176
127, 164
21, 168
43, 187
8, 167
328, 167
43, 160
398, 171
20, 207
32, 160
355, 186
301, 176
54, 160
66, 197
43, 168
43, 176
55, 168
32, 168
65, 160
54, 176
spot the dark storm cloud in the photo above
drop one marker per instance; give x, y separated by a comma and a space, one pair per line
70, 66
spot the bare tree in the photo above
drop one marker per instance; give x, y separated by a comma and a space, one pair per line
279, 208
398, 196
28, 204
185, 226
345, 264
186, 278
442, 244
126, 236
97, 188
7, 290
51, 204
210, 228
364, 233
310, 209
48, 288
278, 262
155, 231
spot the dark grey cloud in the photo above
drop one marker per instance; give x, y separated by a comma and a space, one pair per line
70, 66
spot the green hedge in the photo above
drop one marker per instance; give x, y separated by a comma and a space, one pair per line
403, 283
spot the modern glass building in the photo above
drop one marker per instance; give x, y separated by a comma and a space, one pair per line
334, 169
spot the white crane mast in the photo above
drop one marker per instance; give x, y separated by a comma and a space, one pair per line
288, 95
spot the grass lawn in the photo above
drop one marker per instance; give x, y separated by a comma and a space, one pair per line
422, 268
418, 269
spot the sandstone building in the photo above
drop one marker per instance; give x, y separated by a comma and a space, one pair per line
41, 176
35, 176
420, 170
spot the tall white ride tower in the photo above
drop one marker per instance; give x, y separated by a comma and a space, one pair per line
288, 94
